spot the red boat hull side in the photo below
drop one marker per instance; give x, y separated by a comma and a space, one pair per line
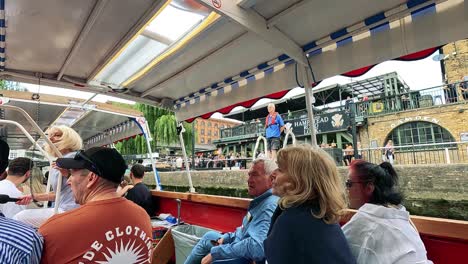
445, 250
221, 218
446, 240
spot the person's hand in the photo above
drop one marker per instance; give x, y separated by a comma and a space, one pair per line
25, 200
207, 259
127, 187
64, 172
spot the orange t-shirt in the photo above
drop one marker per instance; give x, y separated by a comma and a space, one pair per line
107, 231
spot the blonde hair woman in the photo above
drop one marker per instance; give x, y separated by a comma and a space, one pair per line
304, 228
67, 141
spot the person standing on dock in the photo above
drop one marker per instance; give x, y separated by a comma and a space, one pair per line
274, 126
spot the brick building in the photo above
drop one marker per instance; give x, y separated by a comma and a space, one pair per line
207, 130
455, 63
441, 120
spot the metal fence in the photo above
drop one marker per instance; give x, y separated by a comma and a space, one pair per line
440, 95
438, 153
381, 104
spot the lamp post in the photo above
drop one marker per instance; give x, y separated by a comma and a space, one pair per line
352, 120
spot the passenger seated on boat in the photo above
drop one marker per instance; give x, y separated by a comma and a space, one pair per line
381, 230
18, 172
106, 228
304, 228
19, 242
67, 141
138, 192
245, 244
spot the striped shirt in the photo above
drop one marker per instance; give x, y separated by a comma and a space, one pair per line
19, 243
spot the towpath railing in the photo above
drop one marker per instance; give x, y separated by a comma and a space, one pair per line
437, 153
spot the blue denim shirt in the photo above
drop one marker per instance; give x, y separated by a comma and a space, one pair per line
273, 131
247, 240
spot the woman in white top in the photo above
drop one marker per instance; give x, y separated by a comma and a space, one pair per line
67, 142
381, 230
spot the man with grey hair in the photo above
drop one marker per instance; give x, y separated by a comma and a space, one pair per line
274, 126
245, 244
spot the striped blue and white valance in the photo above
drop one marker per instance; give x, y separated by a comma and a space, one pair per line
370, 26
2, 35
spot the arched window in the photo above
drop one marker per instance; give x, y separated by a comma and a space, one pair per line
419, 132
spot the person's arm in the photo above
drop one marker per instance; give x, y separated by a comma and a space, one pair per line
42, 197
251, 247
281, 123
124, 190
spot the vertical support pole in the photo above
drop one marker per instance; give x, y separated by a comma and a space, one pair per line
180, 131
308, 92
447, 156
57, 192
155, 171
193, 144
143, 125
352, 107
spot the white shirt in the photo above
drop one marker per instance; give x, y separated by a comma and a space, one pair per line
10, 209
381, 235
179, 162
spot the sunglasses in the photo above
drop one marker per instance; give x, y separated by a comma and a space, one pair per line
350, 183
92, 166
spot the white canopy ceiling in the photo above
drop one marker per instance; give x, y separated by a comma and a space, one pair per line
98, 124
246, 52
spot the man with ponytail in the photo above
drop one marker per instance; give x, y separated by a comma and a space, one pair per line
381, 231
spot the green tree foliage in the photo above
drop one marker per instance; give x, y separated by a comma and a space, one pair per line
163, 128
9, 85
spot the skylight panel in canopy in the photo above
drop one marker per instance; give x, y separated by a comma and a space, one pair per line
175, 20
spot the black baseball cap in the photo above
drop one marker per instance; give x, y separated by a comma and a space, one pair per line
105, 162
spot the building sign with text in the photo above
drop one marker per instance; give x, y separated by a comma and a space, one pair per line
324, 123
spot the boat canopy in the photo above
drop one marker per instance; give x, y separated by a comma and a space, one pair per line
222, 52
98, 124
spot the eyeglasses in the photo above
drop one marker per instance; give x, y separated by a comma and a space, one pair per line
93, 167
350, 183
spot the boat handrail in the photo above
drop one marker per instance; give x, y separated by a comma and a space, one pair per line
47, 140
289, 132
265, 143
235, 202
26, 133
34, 125
181, 131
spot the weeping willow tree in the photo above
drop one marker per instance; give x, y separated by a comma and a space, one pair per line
163, 128
166, 132
9, 85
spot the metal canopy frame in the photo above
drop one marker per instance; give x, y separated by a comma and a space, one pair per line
247, 53
373, 86
94, 115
